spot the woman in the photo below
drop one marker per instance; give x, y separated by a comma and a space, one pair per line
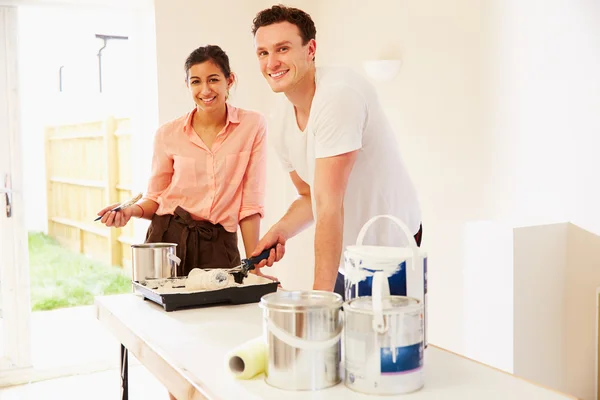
208, 173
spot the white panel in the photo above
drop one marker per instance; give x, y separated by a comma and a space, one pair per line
488, 296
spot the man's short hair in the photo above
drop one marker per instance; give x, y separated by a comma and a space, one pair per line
281, 13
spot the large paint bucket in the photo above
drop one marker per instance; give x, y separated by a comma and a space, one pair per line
383, 343
303, 334
404, 267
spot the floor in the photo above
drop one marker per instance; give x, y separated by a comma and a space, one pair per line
71, 340
97, 386
68, 337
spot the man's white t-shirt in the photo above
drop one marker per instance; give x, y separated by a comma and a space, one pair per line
345, 116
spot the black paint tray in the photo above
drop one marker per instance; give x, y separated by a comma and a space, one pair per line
249, 293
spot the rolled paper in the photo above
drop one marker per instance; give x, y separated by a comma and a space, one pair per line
248, 360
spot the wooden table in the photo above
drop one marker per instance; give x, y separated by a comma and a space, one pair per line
186, 351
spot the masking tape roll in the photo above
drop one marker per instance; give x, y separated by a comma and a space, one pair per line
248, 360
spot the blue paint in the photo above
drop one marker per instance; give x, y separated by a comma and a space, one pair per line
408, 359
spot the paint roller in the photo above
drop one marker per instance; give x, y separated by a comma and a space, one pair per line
248, 360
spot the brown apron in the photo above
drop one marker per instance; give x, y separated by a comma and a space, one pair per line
200, 244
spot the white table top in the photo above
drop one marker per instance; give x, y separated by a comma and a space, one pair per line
186, 350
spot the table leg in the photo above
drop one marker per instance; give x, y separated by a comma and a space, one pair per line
124, 374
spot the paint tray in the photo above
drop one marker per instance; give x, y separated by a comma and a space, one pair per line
171, 294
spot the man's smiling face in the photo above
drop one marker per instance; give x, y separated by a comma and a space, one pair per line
284, 60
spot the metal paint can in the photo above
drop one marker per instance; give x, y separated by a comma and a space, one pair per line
303, 334
383, 343
154, 260
404, 267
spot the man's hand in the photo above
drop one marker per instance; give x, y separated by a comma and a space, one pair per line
275, 237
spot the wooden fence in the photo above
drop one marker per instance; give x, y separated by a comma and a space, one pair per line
88, 166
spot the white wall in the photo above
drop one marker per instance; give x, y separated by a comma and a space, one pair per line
544, 125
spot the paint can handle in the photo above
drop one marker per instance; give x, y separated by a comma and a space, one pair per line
411, 239
174, 258
380, 290
303, 344
176, 261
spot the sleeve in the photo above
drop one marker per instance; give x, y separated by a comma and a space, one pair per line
253, 185
339, 122
162, 168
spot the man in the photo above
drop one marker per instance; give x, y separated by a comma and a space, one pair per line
337, 145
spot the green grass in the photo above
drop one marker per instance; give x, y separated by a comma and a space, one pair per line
61, 278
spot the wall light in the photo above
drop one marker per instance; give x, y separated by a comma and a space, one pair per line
382, 70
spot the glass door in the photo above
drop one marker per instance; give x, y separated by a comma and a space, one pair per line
14, 265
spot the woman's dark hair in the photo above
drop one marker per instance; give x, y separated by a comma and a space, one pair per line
208, 53
281, 13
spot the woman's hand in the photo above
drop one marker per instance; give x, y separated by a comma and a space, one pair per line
116, 219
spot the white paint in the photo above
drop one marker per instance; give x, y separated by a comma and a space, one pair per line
14, 263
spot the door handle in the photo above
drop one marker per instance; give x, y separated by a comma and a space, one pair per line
7, 195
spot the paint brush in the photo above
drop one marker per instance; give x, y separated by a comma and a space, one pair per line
124, 205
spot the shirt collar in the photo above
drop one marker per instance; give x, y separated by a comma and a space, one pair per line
232, 117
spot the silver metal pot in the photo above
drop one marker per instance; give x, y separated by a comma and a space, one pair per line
154, 260
303, 331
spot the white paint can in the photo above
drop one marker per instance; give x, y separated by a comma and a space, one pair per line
405, 268
383, 343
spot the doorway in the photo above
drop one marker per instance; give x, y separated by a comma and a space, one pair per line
79, 72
